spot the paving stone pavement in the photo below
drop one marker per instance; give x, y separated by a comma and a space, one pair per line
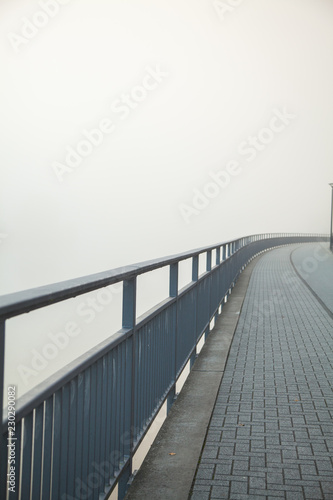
271, 431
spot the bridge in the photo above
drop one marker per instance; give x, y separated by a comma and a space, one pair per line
254, 418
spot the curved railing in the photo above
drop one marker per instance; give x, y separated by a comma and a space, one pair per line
76, 433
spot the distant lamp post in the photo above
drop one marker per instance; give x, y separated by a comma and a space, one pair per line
331, 235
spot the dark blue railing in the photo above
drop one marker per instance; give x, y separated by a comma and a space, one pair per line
76, 433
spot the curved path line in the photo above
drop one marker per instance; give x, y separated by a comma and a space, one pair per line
329, 311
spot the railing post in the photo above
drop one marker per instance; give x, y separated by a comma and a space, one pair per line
224, 252
195, 268
173, 292
173, 287
218, 260
195, 277
208, 269
129, 303
218, 256
128, 322
209, 261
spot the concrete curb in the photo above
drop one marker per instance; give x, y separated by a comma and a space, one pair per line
170, 477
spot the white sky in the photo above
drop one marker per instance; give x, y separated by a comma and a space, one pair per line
226, 75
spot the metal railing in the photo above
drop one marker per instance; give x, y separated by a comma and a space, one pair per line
76, 433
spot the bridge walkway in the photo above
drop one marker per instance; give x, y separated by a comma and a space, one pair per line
270, 433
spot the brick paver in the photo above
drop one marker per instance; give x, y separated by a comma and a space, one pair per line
271, 432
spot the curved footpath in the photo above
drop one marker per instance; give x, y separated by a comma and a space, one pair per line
270, 433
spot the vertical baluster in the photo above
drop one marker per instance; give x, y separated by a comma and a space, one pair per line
150, 367
146, 378
114, 429
93, 425
86, 424
99, 423
137, 388
65, 418
109, 411
56, 446
80, 437
27, 456
124, 472
116, 408
37, 451
120, 384
72, 438
104, 415
129, 404
47, 447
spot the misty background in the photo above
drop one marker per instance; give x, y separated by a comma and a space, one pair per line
219, 72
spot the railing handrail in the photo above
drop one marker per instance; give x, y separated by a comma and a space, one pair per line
17, 303
36, 298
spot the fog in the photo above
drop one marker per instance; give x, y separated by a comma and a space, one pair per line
135, 130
